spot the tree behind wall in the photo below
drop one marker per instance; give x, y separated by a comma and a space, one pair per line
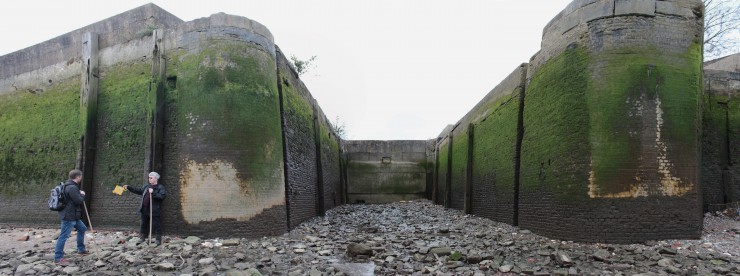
721, 28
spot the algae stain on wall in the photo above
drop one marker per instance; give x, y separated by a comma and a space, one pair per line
214, 190
669, 184
643, 141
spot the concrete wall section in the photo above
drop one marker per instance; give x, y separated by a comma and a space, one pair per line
386, 171
25, 68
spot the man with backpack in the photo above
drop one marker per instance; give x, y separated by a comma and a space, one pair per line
71, 216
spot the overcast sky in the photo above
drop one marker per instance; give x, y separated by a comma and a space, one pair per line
389, 69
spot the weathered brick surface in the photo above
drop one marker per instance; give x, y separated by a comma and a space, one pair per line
301, 168
459, 167
608, 151
224, 141
611, 124
494, 156
721, 138
330, 158
121, 143
442, 171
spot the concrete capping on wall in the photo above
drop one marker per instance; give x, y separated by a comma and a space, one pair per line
729, 63
115, 30
122, 37
582, 11
481, 110
229, 26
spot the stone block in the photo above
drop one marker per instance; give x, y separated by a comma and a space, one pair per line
671, 8
646, 7
578, 4
597, 10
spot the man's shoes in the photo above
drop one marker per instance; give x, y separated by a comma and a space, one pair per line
62, 262
83, 253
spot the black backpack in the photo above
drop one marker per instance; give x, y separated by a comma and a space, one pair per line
57, 199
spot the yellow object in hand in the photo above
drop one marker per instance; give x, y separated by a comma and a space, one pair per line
118, 190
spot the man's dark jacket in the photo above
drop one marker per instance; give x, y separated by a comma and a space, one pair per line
157, 196
73, 201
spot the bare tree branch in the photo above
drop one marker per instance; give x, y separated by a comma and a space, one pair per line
721, 27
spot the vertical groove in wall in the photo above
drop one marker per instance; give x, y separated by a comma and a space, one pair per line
285, 145
448, 177
155, 139
319, 166
435, 184
89, 110
469, 170
518, 153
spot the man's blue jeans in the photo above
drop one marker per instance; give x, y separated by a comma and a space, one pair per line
67, 226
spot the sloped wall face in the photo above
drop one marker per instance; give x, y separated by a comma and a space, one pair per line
123, 116
442, 169
330, 162
459, 167
720, 172
611, 118
300, 146
225, 128
494, 154
38, 145
386, 171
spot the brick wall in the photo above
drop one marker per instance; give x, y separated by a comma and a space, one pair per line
121, 143
611, 129
442, 171
226, 131
720, 138
494, 156
300, 145
610, 119
330, 159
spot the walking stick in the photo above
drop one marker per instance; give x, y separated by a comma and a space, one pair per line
95, 246
151, 207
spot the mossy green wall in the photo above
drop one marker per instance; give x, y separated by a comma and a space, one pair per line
494, 154
593, 128
40, 138
123, 118
330, 164
229, 131
644, 110
720, 149
442, 171
459, 168
555, 152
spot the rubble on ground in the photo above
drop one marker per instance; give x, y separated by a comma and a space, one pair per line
406, 238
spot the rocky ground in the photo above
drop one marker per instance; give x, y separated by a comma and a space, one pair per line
406, 238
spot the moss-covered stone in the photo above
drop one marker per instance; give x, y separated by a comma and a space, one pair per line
611, 124
229, 139
555, 152
40, 136
123, 117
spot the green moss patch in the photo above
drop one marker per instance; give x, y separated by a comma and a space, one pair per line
39, 138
